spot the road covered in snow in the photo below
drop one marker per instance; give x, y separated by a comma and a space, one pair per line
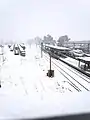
26, 77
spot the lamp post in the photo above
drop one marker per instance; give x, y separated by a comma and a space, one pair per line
50, 71
50, 61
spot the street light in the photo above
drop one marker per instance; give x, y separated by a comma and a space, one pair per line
50, 71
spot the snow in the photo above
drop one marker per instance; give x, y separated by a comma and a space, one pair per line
52, 104
27, 91
57, 47
77, 51
87, 54
85, 58
24, 75
71, 61
76, 62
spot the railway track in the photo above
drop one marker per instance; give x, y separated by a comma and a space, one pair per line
69, 81
82, 72
81, 85
84, 77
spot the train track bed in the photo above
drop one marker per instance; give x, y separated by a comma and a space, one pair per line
58, 83
74, 63
79, 81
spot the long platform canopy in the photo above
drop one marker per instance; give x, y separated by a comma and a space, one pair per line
57, 47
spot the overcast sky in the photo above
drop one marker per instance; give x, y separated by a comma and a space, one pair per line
24, 19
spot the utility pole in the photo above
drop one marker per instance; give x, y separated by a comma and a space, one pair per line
74, 45
50, 71
88, 47
41, 49
50, 62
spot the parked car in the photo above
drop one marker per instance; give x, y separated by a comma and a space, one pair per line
22, 49
77, 53
87, 55
16, 49
23, 46
9, 45
23, 53
11, 48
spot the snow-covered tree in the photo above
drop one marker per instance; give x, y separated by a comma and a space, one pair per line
48, 40
62, 40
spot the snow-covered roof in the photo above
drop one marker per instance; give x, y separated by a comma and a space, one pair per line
87, 59
79, 42
77, 51
57, 47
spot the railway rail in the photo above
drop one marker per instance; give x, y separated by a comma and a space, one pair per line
73, 66
84, 77
81, 85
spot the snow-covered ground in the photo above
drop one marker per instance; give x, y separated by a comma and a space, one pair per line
27, 91
24, 75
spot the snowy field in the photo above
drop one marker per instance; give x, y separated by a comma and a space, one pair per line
27, 91
24, 75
